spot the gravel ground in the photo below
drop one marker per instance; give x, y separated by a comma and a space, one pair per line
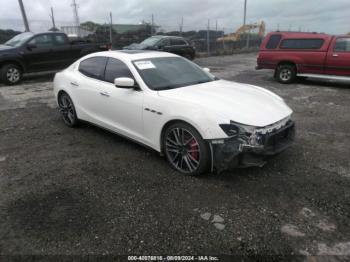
86, 191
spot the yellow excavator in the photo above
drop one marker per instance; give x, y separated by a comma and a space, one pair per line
242, 30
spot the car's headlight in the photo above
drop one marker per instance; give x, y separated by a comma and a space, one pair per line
236, 129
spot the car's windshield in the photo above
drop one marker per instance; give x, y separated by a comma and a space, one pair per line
150, 41
18, 40
165, 73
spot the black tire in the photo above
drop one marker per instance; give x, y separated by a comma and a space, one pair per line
189, 154
67, 110
286, 74
11, 74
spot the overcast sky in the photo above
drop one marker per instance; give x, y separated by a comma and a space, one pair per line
309, 15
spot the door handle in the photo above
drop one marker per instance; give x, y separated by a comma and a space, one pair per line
335, 55
104, 94
74, 83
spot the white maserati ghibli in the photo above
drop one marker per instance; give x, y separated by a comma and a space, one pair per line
168, 103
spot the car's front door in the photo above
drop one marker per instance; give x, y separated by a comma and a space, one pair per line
38, 53
338, 57
121, 107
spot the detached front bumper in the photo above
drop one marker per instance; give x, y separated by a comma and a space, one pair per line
235, 153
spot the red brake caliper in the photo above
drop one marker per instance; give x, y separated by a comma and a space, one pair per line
194, 149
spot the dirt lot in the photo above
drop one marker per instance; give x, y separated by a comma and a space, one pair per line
86, 191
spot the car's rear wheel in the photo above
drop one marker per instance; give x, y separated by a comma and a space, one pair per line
67, 110
11, 74
286, 74
185, 149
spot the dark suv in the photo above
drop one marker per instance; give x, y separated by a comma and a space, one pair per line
172, 44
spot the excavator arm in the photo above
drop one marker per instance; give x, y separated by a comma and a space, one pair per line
243, 29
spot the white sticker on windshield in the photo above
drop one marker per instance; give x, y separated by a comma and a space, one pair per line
142, 65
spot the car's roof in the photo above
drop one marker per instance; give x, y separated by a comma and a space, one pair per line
133, 54
289, 34
167, 36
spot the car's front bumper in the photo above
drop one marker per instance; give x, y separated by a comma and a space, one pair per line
232, 152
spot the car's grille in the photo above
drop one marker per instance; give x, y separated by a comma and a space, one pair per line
280, 137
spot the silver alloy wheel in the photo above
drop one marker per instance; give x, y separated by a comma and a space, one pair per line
66, 109
285, 74
13, 75
182, 149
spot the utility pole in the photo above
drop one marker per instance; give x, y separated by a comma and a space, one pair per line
24, 16
75, 13
208, 37
76, 17
244, 22
53, 19
223, 40
245, 12
181, 25
152, 24
110, 29
216, 33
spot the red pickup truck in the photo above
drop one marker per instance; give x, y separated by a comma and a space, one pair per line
295, 54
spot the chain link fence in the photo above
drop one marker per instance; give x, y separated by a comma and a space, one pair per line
207, 41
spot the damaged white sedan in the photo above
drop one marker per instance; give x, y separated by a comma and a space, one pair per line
199, 122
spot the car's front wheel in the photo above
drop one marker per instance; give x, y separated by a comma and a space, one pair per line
67, 110
185, 149
11, 74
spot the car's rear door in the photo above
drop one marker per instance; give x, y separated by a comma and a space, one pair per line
62, 51
84, 86
338, 57
102, 103
178, 46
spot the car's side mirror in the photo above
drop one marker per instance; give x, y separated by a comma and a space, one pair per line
206, 69
31, 46
124, 82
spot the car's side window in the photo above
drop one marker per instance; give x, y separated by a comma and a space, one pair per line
42, 41
60, 40
175, 41
273, 41
115, 69
93, 67
164, 42
301, 43
342, 45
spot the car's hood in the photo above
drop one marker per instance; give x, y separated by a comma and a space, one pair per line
5, 48
242, 103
